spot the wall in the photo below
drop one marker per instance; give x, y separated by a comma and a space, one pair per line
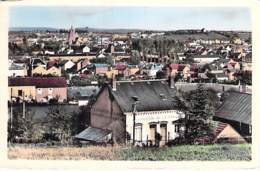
158, 117
106, 114
60, 92
230, 133
29, 92
72, 58
15, 73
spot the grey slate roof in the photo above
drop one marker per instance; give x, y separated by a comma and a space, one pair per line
74, 92
236, 107
152, 94
15, 67
94, 134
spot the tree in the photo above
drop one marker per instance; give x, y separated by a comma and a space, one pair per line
21, 126
135, 57
198, 106
60, 122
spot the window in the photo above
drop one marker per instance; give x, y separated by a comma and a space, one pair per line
163, 131
50, 90
152, 132
39, 91
177, 128
20, 92
138, 132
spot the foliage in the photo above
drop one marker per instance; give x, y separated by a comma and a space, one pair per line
22, 126
135, 57
163, 46
83, 81
60, 122
198, 106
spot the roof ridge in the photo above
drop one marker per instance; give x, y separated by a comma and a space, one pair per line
141, 80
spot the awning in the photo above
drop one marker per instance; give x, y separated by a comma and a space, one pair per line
95, 135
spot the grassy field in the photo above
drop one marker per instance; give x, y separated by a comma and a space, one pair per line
177, 153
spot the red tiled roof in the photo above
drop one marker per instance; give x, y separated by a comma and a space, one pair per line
121, 67
41, 82
174, 66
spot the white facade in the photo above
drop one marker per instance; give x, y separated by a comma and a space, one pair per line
149, 122
68, 65
17, 72
86, 49
205, 59
83, 102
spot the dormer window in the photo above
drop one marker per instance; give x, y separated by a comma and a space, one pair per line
163, 96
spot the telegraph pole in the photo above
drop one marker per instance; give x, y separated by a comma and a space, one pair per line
135, 98
23, 106
134, 113
11, 111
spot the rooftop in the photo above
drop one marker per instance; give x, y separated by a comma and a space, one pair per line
41, 82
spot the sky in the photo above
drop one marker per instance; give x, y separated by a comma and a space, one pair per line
153, 18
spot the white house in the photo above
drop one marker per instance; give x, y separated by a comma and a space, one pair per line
86, 49
68, 64
17, 70
101, 55
152, 69
205, 59
150, 101
148, 123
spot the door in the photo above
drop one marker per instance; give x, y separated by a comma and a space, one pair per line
152, 133
163, 131
138, 132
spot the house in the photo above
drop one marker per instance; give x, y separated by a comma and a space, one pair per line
221, 76
232, 64
101, 56
236, 110
151, 69
77, 93
100, 68
82, 63
15, 70
221, 133
39, 89
35, 62
206, 58
147, 106
183, 69
41, 70
66, 64
224, 132
72, 57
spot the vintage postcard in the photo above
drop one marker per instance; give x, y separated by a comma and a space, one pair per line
135, 83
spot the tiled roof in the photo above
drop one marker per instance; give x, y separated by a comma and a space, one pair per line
236, 107
152, 95
94, 134
41, 82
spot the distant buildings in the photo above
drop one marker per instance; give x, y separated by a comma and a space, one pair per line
38, 89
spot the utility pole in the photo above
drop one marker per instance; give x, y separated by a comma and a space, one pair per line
23, 106
134, 113
11, 111
135, 98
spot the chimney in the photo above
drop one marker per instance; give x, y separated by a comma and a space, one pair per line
171, 81
113, 82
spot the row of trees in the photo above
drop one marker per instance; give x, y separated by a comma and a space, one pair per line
162, 47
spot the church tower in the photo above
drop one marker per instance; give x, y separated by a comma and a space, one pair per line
72, 35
